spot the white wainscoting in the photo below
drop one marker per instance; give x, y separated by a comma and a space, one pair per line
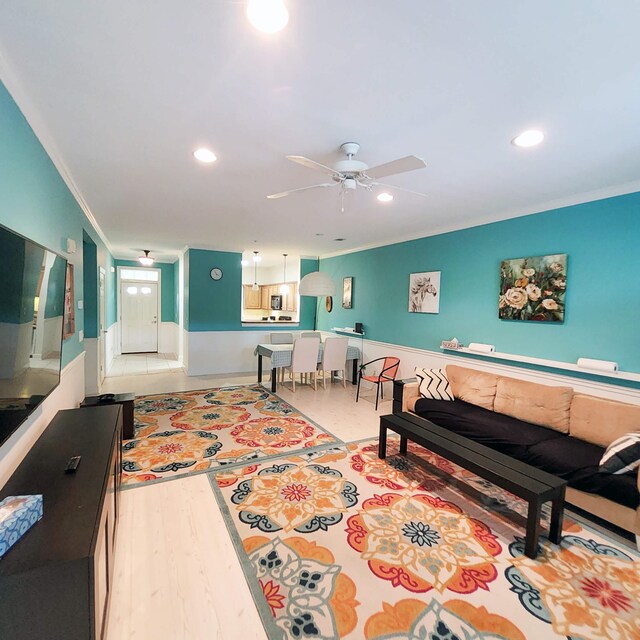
91, 382
68, 394
168, 338
211, 352
411, 358
112, 340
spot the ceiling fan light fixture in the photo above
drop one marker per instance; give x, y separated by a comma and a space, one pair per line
146, 260
529, 138
385, 197
205, 155
268, 16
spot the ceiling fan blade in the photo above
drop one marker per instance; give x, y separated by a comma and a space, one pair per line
401, 165
274, 196
312, 164
393, 187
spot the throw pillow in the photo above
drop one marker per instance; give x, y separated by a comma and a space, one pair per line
433, 384
622, 455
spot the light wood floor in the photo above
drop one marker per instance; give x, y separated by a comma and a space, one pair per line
176, 572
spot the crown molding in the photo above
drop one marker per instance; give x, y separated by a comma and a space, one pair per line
21, 97
559, 203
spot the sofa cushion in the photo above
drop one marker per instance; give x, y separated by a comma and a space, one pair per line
434, 384
601, 421
503, 433
622, 455
536, 403
472, 386
577, 462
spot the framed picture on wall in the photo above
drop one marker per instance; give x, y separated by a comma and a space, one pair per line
533, 288
347, 292
424, 292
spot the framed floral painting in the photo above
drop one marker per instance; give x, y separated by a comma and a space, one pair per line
533, 288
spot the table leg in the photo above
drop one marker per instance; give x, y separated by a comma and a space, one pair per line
403, 445
274, 373
557, 514
354, 371
533, 528
259, 368
382, 444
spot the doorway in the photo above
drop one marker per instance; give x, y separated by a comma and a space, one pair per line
139, 310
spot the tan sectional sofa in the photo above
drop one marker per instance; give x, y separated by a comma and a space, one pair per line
577, 419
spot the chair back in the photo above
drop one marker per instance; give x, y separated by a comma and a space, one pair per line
334, 354
281, 338
304, 358
390, 368
311, 334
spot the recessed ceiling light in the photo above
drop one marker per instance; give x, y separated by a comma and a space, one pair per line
339, 239
385, 197
529, 138
268, 16
319, 234
204, 155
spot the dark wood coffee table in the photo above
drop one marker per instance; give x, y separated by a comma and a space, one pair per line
523, 480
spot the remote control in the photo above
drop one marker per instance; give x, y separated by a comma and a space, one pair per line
72, 465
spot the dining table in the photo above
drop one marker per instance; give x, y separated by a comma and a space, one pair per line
280, 356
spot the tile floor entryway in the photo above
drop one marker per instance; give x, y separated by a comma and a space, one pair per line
133, 364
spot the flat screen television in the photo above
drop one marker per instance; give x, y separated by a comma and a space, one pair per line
32, 296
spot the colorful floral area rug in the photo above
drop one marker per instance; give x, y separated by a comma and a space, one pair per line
195, 431
340, 544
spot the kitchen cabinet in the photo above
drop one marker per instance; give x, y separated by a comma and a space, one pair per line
290, 300
252, 299
265, 297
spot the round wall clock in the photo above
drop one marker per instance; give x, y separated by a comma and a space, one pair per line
329, 304
216, 273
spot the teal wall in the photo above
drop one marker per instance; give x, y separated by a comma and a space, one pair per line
36, 203
601, 238
90, 283
168, 310
216, 305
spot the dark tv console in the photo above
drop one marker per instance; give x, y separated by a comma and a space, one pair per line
55, 582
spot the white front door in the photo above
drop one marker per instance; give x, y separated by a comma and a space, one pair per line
139, 317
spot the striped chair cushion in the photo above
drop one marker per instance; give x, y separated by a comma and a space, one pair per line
622, 455
433, 384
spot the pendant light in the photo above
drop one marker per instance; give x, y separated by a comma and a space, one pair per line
256, 259
284, 287
146, 260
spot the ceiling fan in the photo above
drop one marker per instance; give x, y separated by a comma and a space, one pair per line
351, 174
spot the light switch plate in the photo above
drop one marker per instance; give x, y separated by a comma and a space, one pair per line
81, 335
80, 304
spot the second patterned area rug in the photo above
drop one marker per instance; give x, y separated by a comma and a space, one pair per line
340, 544
196, 431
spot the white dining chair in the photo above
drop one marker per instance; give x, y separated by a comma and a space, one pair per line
281, 338
334, 357
304, 360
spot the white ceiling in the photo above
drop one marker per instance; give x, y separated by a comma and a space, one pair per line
124, 91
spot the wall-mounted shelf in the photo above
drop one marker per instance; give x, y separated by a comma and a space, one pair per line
351, 332
555, 364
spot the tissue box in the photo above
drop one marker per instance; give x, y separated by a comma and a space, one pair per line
17, 515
